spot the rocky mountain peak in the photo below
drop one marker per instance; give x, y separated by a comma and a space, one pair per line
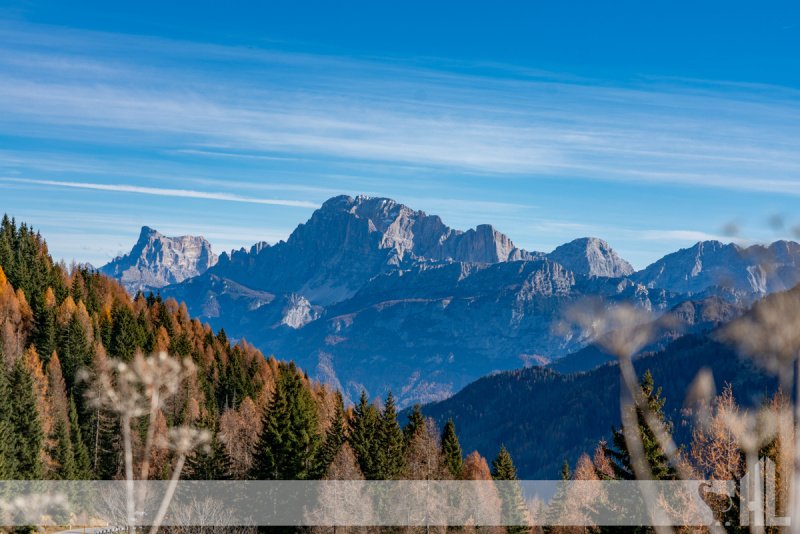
591, 256
410, 234
755, 270
156, 260
147, 233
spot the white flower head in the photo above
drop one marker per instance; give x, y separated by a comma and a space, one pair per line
184, 439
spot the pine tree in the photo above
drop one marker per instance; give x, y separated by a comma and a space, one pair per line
125, 335
106, 445
62, 453
364, 430
46, 333
289, 439
657, 460
557, 508
505, 473
78, 286
415, 421
211, 463
503, 466
83, 468
74, 350
334, 439
27, 428
451, 449
8, 460
390, 443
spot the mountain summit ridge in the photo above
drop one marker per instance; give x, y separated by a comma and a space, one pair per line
349, 240
591, 256
156, 260
757, 269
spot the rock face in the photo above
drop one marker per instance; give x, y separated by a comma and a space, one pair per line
156, 261
371, 294
591, 256
350, 240
745, 272
298, 312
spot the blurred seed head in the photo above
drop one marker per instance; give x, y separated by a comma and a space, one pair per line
134, 389
731, 229
700, 396
752, 430
770, 333
184, 439
620, 329
776, 222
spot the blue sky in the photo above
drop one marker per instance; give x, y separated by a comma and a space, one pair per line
649, 124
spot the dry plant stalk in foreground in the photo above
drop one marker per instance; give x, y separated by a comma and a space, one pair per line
137, 389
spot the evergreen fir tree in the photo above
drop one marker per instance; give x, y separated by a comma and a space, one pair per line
618, 453
46, 333
334, 439
363, 436
503, 466
78, 286
62, 453
222, 337
415, 420
451, 449
124, 333
8, 460
27, 429
211, 463
106, 446
390, 442
74, 351
165, 319
513, 504
83, 467
6, 247
105, 327
558, 504
288, 442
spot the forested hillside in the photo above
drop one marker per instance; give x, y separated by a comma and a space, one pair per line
544, 417
63, 328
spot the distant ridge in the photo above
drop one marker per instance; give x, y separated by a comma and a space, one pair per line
757, 269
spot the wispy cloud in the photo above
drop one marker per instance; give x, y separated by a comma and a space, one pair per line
475, 143
162, 192
680, 235
728, 136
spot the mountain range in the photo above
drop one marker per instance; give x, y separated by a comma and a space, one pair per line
371, 294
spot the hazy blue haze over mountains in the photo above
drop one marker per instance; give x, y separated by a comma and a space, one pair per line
369, 293
545, 417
